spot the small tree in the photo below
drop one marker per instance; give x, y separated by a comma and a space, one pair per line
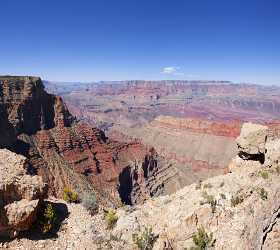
202, 240
47, 219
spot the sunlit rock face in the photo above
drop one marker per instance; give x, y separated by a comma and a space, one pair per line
21, 194
66, 152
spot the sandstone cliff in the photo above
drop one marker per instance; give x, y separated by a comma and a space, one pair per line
67, 153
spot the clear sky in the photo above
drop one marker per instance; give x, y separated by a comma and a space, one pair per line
89, 40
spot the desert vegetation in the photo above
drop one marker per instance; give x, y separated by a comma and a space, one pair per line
145, 239
70, 196
202, 240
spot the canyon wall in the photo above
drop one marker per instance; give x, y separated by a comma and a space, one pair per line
68, 153
239, 210
192, 145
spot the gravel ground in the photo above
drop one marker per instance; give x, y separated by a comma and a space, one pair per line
79, 231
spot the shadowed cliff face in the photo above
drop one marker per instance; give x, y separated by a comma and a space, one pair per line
29, 107
63, 151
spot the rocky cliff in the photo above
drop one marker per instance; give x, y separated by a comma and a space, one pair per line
67, 153
21, 194
192, 145
241, 209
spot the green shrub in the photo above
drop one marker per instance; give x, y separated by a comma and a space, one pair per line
209, 199
263, 193
264, 174
222, 184
202, 240
144, 240
237, 199
70, 196
278, 170
90, 203
111, 218
47, 219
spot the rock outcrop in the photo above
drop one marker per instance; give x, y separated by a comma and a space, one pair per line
20, 194
62, 150
241, 208
251, 142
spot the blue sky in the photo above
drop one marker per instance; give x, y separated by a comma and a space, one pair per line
141, 39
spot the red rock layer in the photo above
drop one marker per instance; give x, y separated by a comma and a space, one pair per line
228, 129
63, 151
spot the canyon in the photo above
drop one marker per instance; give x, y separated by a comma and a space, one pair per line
187, 122
68, 153
172, 175
238, 210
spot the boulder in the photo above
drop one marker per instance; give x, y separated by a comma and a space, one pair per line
20, 194
251, 142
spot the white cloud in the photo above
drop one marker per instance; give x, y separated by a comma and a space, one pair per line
170, 70
175, 71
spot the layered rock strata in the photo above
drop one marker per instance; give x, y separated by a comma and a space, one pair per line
68, 153
241, 208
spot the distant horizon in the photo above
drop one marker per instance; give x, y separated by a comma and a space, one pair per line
151, 80
162, 80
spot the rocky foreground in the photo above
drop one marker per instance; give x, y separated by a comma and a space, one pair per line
240, 209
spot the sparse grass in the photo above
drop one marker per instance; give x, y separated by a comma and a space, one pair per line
47, 219
111, 219
207, 185
263, 193
209, 199
223, 196
237, 199
264, 174
202, 240
144, 240
70, 196
90, 203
